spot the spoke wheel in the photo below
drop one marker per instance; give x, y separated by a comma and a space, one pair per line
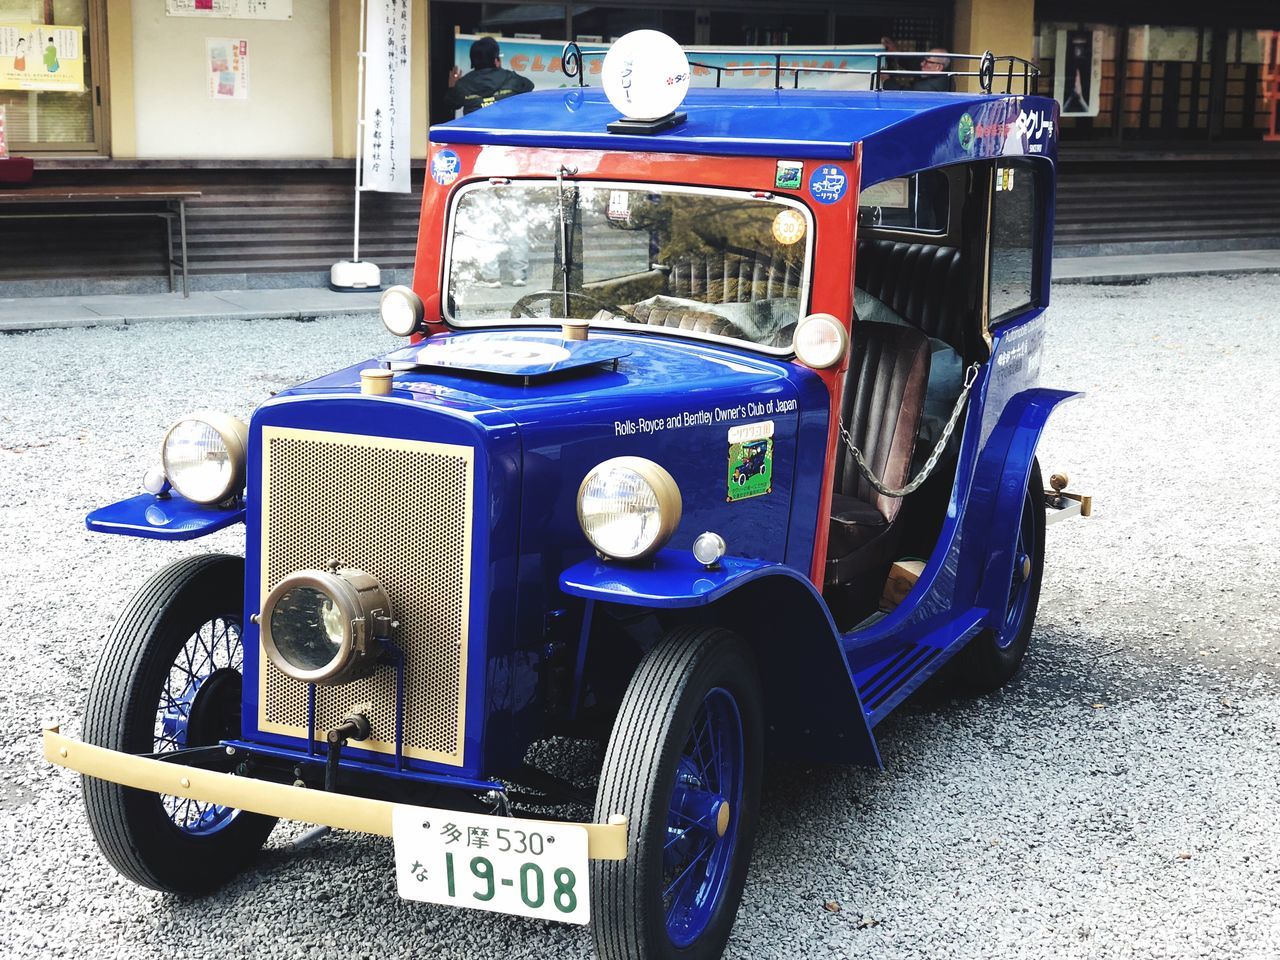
993, 657
170, 678
683, 764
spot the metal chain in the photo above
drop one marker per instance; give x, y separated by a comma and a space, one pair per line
971, 375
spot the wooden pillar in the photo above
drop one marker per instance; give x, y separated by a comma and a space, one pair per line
1005, 27
122, 122
344, 44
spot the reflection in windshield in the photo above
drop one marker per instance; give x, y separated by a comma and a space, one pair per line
716, 264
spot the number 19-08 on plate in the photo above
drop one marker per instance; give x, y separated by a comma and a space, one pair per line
528, 867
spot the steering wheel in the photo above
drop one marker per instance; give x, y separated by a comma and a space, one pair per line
521, 307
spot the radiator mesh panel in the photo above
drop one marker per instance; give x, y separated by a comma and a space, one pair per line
400, 510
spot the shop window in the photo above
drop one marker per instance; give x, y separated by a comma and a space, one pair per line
49, 85
738, 29
1078, 67
1014, 240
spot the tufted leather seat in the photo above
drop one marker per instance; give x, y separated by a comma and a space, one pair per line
680, 316
921, 282
739, 277
883, 403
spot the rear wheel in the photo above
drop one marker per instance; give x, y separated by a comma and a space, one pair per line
993, 657
169, 678
683, 764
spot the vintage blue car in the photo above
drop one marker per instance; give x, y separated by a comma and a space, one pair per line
526, 523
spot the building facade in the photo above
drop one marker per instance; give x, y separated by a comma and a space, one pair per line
1157, 96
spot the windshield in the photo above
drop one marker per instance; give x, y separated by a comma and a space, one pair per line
712, 263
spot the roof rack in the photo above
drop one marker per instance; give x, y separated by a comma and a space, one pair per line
990, 67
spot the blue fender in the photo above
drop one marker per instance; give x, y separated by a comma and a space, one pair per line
163, 518
812, 707
1001, 481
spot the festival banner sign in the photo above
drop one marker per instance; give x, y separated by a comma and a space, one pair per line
387, 89
37, 56
539, 60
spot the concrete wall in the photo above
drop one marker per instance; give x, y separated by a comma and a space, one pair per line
289, 110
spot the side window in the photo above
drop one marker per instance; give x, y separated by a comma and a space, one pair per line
918, 203
1014, 240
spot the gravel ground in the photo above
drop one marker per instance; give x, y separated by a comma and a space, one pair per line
1117, 800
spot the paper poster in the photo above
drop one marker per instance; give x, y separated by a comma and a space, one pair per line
36, 56
1077, 72
228, 68
539, 60
4, 142
231, 9
387, 88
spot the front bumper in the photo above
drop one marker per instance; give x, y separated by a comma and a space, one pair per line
605, 841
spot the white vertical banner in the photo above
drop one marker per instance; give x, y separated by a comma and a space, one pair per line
385, 145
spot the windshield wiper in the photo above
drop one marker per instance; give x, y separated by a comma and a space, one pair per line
566, 256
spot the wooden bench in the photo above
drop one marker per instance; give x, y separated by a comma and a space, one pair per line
47, 203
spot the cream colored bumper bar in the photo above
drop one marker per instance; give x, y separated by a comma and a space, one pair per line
605, 841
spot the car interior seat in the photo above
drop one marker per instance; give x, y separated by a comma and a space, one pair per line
882, 406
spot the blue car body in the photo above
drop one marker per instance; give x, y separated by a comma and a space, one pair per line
544, 609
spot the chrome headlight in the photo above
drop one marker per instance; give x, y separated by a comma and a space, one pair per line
323, 626
204, 456
401, 310
628, 507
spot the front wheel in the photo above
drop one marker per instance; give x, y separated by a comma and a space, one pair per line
170, 677
684, 765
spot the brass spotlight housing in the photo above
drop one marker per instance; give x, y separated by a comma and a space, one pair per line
324, 626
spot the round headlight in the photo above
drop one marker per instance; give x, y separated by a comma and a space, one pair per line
820, 341
204, 456
322, 626
628, 507
402, 311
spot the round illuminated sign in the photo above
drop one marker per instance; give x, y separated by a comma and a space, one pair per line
645, 74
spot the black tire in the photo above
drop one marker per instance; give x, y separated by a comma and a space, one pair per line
993, 657
133, 829
637, 779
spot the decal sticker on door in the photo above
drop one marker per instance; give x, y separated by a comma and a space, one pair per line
750, 460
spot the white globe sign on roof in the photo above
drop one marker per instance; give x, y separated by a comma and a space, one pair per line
645, 75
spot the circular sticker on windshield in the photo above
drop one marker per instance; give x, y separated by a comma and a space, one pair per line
445, 167
788, 227
494, 353
828, 183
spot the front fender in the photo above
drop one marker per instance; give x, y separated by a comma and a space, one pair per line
674, 579
812, 707
1001, 480
163, 518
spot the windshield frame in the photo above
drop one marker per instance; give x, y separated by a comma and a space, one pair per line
614, 323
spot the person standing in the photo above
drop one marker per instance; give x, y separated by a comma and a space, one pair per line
487, 83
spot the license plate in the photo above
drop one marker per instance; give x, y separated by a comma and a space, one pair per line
527, 867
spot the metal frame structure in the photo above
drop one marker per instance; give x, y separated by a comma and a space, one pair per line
571, 59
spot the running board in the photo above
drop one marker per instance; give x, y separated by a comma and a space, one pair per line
886, 684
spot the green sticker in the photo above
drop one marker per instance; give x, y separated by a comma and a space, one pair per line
790, 175
965, 131
750, 460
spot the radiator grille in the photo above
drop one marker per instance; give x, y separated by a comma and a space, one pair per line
400, 510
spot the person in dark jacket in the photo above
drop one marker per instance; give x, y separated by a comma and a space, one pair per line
487, 83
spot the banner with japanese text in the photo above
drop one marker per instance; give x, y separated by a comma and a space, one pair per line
38, 56
385, 143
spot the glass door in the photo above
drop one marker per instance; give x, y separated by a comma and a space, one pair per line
49, 75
